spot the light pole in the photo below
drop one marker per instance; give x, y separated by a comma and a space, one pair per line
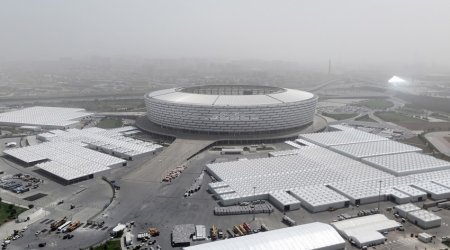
379, 196
254, 196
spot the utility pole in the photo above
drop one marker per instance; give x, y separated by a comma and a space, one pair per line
254, 196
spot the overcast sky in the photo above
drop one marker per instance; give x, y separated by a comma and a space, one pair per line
391, 31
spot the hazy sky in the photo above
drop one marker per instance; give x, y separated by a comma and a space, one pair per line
399, 31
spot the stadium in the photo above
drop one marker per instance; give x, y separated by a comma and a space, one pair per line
231, 109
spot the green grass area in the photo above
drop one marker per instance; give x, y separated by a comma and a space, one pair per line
395, 117
365, 118
109, 245
376, 104
9, 212
339, 116
110, 123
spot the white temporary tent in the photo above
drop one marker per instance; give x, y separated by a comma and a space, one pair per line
303, 237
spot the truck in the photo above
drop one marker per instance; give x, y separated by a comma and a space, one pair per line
57, 224
213, 232
73, 226
241, 227
237, 231
264, 228
64, 226
247, 228
153, 231
288, 221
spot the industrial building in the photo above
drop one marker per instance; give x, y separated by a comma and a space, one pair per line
424, 219
366, 230
45, 117
404, 209
332, 170
75, 155
303, 237
110, 141
226, 109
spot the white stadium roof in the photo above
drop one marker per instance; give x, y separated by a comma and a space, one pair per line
303, 237
176, 95
44, 117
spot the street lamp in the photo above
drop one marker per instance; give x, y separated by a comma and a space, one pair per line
379, 196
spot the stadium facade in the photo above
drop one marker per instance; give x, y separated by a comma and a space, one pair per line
231, 109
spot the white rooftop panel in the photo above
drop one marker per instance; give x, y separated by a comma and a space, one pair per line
44, 116
284, 198
443, 182
304, 237
424, 215
376, 148
407, 163
397, 194
434, 189
355, 190
434, 175
60, 170
334, 138
410, 190
318, 195
377, 222
25, 155
406, 208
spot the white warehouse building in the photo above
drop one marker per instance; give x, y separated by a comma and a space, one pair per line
45, 117
333, 170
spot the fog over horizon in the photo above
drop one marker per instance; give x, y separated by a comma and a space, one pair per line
403, 32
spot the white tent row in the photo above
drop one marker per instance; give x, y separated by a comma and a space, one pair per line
319, 198
424, 219
407, 163
47, 117
109, 141
333, 138
350, 177
24, 155
63, 171
284, 201
375, 148
436, 191
415, 194
67, 160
